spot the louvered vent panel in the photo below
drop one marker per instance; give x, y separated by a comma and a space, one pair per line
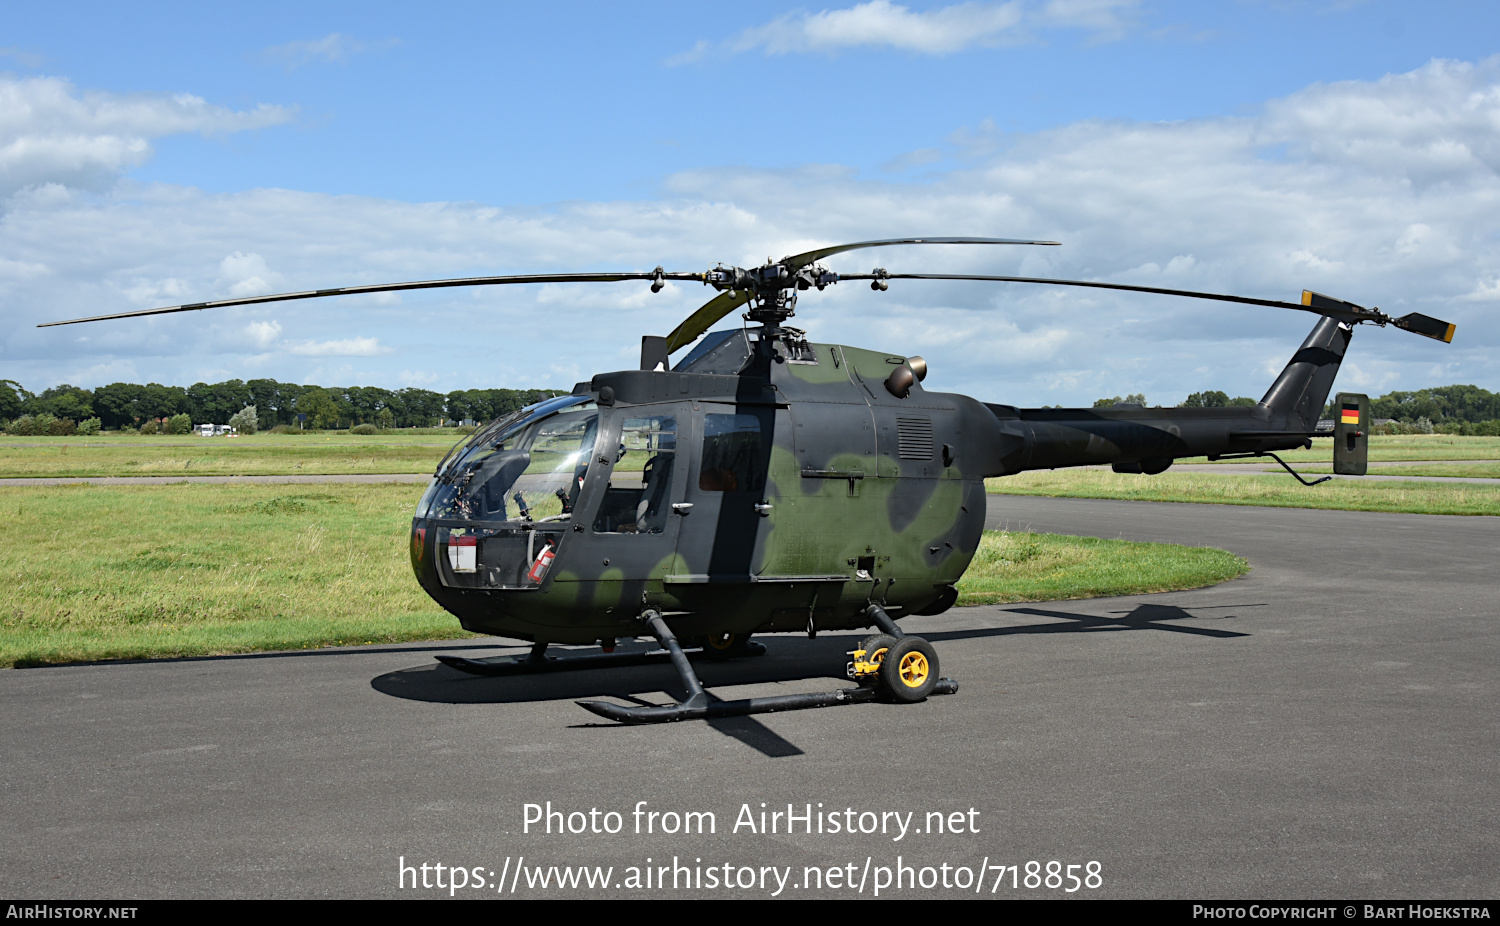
914, 438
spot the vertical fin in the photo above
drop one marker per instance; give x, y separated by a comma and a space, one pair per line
1296, 398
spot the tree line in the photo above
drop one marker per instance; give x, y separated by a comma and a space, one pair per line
1459, 408
122, 405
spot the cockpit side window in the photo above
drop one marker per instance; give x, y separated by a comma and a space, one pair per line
637, 500
528, 471
731, 454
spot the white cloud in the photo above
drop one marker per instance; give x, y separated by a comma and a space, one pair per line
1354, 206
339, 347
49, 133
263, 334
248, 274
882, 24
334, 47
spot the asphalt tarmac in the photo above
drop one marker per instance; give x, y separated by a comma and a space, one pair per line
1324, 727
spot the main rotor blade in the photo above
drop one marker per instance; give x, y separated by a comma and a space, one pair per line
390, 288
798, 261
1313, 302
703, 319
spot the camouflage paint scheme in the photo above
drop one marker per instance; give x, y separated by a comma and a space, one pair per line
867, 497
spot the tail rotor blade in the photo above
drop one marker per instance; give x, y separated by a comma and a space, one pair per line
1426, 326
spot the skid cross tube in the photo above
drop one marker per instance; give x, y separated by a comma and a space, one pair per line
880, 619
700, 704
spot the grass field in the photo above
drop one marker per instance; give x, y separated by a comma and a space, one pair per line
1392, 447
1489, 470
340, 453
260, 455
1048, 567
1272, 490
112, 572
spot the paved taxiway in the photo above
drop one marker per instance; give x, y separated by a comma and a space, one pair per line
1323, 727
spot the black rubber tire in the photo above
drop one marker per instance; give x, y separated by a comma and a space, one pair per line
909, 670
720, 647
875, 646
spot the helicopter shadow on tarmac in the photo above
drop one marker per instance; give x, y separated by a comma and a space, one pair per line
786, 660
1141, 617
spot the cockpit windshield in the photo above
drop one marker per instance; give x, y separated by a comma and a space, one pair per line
528, 467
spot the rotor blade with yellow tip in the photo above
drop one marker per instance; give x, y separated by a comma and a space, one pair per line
1426, 326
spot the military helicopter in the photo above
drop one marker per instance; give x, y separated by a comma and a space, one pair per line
765, 483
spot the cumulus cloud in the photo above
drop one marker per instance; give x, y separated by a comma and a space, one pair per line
340, 347
882, 24
1382, 192
248, 274
263, 334
52, 134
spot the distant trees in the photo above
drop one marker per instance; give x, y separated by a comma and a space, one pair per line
1135, 398
319, 407
245, 420
132, 405
12, 399
1214, 398
1439, 404
64, 401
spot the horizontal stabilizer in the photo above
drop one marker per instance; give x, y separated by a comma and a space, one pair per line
1426, 326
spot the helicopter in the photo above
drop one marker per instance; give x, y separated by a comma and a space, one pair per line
765, 483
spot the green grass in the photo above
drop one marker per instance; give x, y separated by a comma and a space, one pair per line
1272, 490
1049, 567
1472, 470
121, 572
260, 455
94, 572
1394, 447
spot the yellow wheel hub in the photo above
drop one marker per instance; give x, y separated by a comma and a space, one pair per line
913, 670
722, 642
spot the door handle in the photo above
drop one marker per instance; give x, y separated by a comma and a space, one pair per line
682, 508
763, 509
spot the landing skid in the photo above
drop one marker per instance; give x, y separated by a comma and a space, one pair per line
702, 705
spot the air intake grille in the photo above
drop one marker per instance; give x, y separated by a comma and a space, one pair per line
914, 438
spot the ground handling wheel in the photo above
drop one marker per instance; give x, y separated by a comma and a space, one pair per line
722, 646
871, 651
909, 670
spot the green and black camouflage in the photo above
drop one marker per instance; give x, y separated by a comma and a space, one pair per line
782, 486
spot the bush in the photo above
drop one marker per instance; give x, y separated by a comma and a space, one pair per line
89, 426
282, 429
179, 424
149, 427
21, 426
245, 421
60, 427
363, 429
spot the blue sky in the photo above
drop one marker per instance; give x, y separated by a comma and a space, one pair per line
180, 152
